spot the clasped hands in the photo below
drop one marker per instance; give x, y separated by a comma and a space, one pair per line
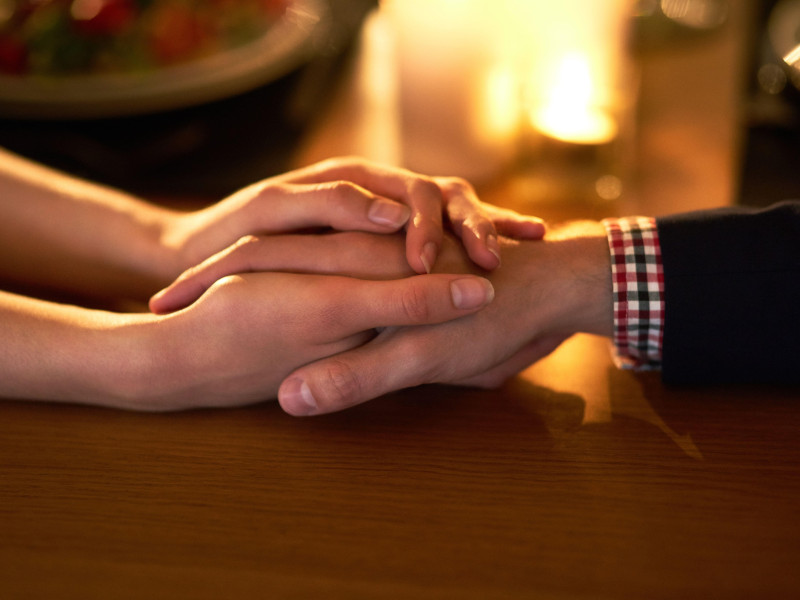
325, 320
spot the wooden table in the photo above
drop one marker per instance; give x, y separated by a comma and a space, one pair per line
575, 480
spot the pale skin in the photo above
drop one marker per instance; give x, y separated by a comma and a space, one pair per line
545, 292
247, 333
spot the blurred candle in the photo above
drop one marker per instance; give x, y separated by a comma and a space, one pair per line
574, 87
472, 72
569, 108
460, 100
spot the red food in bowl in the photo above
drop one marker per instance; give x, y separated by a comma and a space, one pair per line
68, 37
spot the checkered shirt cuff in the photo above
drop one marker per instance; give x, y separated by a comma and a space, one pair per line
638, 288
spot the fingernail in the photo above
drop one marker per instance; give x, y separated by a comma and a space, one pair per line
386, 212
296, 398
493, 246
471, 292
428, 256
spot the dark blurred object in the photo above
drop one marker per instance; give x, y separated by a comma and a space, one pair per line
770, 162
207, 150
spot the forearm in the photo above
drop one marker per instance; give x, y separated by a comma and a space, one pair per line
62, 232
66, 353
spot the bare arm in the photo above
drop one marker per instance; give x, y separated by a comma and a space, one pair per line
233, 347
62, 232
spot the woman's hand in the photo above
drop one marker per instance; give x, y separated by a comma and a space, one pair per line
248, 332
352, 194
120, 246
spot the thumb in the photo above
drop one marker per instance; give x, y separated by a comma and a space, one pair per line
522, 359
384, 365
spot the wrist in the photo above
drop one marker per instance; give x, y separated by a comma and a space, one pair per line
567, 281
188, 238
161, 257
591, 268
113, 360
142, 362
66, 353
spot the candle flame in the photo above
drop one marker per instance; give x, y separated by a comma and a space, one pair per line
571, 110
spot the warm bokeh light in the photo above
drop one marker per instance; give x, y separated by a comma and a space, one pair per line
569, 109
476, 76
793, 56
459, 96
501, 102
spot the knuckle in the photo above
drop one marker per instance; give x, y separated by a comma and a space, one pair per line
341, 195
340, 161
261, 197
328, 163
352, 161
344, 189
416, 361
326, 306
258, 194
455, 184
229, 282
414, 304
421, 184
328, 317
221, 297
340, 384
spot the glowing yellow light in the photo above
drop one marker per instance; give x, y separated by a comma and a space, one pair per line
570, 110
501, 100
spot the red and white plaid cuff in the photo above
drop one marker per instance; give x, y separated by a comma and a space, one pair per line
638, 288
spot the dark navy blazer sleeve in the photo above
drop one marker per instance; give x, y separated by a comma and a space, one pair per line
732, 295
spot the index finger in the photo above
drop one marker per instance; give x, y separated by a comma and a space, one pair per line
418, 300
420, 193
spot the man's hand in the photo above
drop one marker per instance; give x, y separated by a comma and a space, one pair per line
545, 292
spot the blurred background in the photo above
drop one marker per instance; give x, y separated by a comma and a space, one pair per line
187, 98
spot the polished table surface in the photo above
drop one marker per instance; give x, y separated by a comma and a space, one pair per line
574, 480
